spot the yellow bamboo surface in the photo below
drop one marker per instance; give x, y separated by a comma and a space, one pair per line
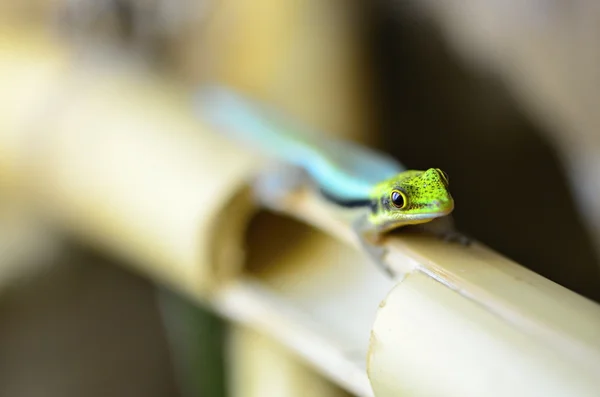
429, 340
255, 358
114, 156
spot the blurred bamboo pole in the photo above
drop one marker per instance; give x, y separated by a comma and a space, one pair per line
304, 56
261, 367
63, 113
119, 161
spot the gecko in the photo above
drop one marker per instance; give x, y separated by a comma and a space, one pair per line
379, 193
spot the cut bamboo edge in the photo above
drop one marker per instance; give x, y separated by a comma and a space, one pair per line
120, 162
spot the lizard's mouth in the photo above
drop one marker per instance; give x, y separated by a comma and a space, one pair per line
427, 216
437, 211
413, 219
422, 218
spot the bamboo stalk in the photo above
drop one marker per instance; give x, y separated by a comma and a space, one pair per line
140, 151
431, 340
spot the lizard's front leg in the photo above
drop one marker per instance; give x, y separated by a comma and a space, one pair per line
444, 229
370, 239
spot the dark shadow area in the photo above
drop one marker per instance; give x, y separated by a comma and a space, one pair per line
269, 240
510, 189
85, 326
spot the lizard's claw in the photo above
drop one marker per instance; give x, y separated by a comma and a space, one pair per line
453, 236
444, 229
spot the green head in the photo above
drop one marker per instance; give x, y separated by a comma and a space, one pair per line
410, 198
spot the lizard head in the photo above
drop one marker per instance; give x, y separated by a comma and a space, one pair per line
411, 197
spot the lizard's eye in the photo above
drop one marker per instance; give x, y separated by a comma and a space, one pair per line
444, 176
398, 199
